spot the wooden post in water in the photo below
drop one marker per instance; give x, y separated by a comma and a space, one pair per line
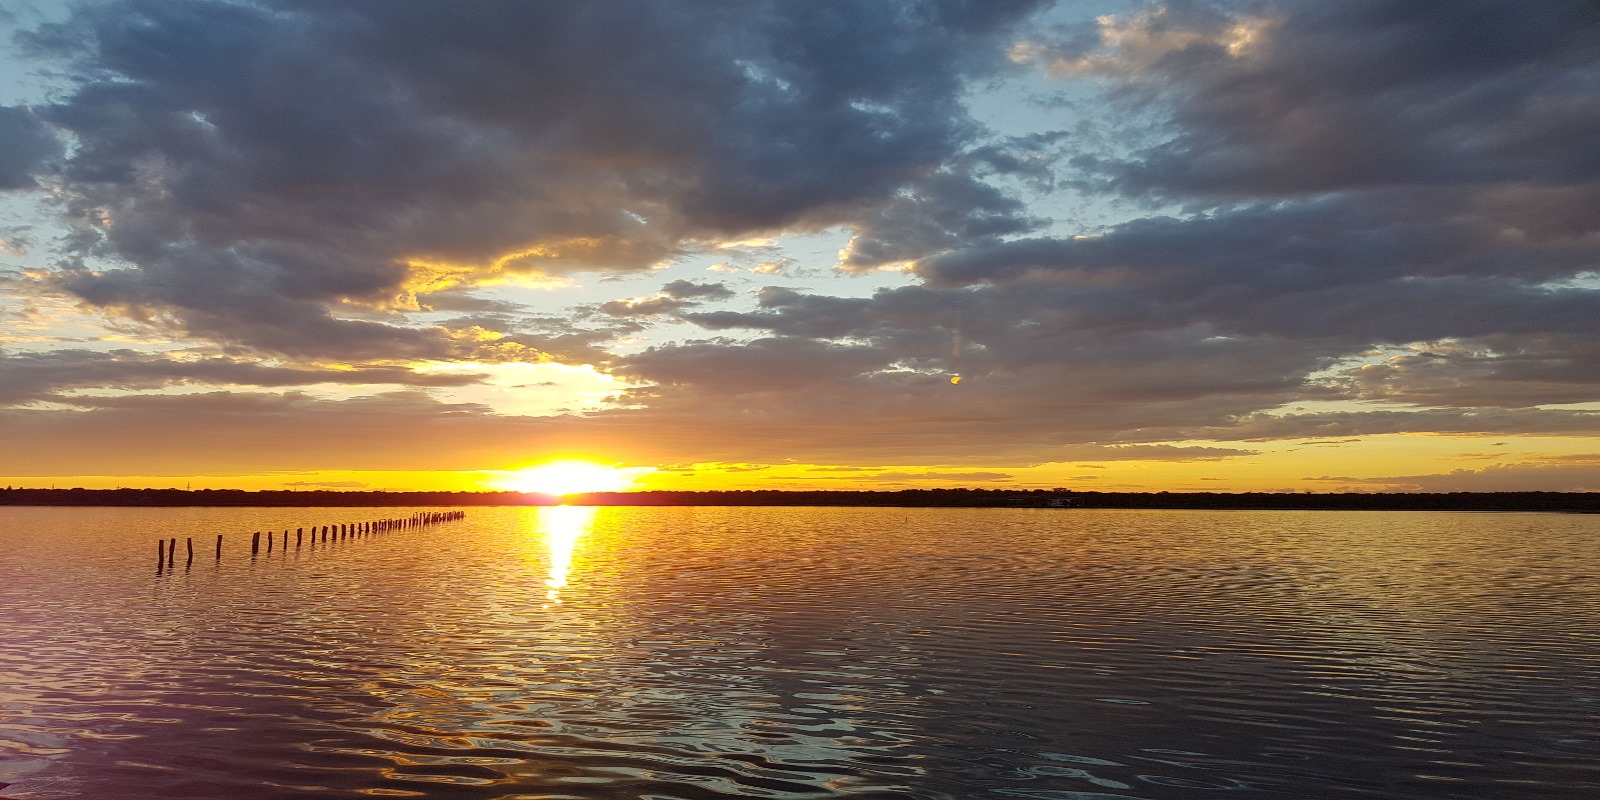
172, 551
161, 555
189, 543
285, 540
219, 547
255, 544
297, 534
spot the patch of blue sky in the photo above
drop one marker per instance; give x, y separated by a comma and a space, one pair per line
25, 81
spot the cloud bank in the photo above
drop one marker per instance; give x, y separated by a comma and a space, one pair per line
1384, 208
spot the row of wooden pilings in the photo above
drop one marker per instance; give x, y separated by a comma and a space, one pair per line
167, 549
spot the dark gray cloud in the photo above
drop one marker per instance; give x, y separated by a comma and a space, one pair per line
764, 366
689, 290
1287, 246
1083, 350
674, 297
245, 433
882, 393
1313, 280
1471, 421
255, 165
26, 145
240, 433
946, 210
1376, 173
1491, 371
644, 306
466, 302
1370, 201
33, 376
1385, 172
1576, 473
1304, 96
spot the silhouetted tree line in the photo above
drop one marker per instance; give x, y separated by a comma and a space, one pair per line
906, 498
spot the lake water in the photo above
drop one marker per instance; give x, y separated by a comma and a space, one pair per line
803, 653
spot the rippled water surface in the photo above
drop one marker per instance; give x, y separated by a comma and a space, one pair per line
803, 653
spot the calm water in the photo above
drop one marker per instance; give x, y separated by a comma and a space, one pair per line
804, 653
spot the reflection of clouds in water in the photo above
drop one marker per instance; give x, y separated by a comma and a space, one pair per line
562, 527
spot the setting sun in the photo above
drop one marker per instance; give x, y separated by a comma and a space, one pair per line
569, 476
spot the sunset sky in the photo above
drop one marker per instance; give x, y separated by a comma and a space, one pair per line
1280, 245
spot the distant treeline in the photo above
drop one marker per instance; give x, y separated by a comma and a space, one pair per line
907, 498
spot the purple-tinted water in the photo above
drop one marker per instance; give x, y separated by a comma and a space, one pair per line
803, 653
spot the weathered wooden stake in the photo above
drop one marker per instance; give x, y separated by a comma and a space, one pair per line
219, 547
161, 555
172, 551
255, 543
189, 543
297, 534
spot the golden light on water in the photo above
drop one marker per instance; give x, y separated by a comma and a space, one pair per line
570, 476
562, 527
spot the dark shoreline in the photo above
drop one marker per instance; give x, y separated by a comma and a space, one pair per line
1580, 502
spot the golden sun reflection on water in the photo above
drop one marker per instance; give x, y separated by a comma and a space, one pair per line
806, 653
562, 527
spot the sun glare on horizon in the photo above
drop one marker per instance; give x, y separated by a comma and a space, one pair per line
570, 476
